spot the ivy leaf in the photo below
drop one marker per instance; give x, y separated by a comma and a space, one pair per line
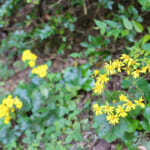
127, 24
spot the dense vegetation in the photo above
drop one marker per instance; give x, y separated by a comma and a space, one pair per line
74, 72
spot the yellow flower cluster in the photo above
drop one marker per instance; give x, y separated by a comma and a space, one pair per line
126, 63
8, 105
100, 80
30, 57
41, 71
120, 111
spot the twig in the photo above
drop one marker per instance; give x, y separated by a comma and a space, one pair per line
53, 5
84, 8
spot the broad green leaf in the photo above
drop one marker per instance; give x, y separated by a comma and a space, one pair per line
101, 25
127, 24
146, 46
145, 38
138, 27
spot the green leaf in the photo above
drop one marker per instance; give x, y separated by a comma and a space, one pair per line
127, 24
101, 25
146, 114
69, 138
146, 46
145, 38
138, 27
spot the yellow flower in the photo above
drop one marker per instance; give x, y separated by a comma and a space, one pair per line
127, 70
8, 101
140, 102
18, 103
99, 88
28, 55
113, 119
103, 78
129, 105
31, 63
132, 62
136, 73
75, 64
41, 71
110, 68
122, 97
125, 58
96, 72
97, 109
4, 110
7, 119
108, 109
121, 112
114, 101
144, 69
118, 64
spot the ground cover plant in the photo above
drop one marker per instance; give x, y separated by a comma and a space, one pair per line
74, 75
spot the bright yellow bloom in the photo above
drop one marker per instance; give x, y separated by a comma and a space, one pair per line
29, 56
97, 109
122, 97
114, 101
96, 72
113, 119
136, 73
102, 78
108, 109
7, 119
144, 69
140, 102
118, 64
110, 68
129, 105
127, 70
18, 103
132, 62
41, 71
121, 112
99, 88
125, 58
7, 106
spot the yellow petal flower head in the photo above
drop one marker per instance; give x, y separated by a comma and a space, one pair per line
136, 73
125, 58
99, 88
140, 102
133, 63
7, 119
118, 64
144, 69
8, 101
110, 68
113, 119
129, 105
18, 103
41, 71
96, 72
103, 78
108, 109
97, 109
121, 112
127, 70
123, 97
4, 110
